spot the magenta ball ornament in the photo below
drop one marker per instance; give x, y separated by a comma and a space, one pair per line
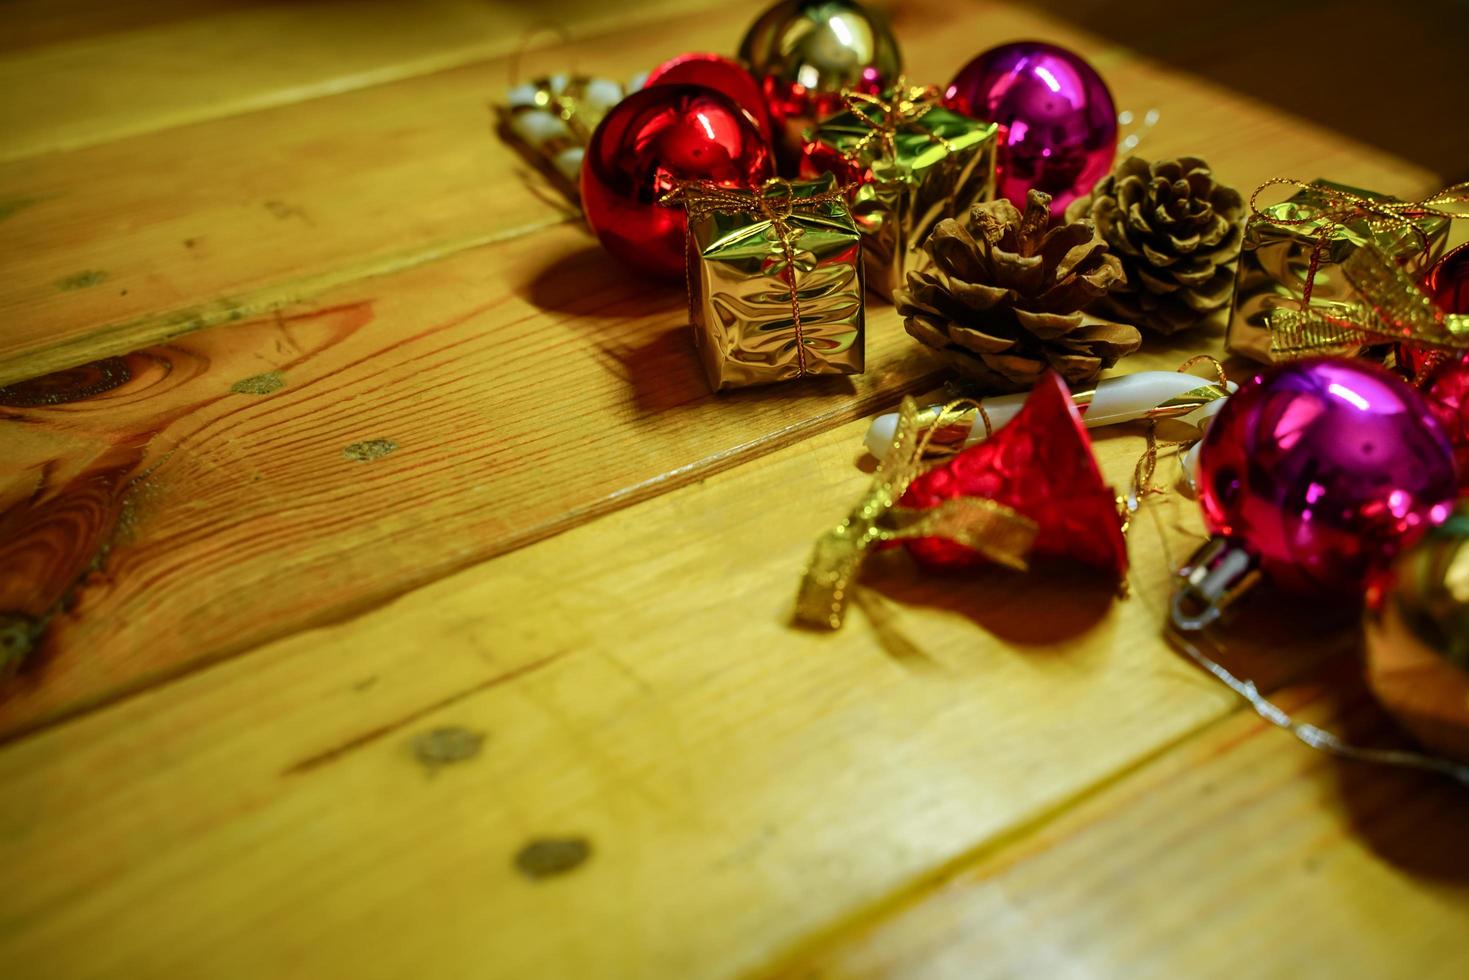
1324, 470
1059, 122
650, 142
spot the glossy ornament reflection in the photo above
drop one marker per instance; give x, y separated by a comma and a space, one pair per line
722, 75
1448, 281
1417, 638
1059, 124
805, 52
1323, 470
648, 143
1446, 390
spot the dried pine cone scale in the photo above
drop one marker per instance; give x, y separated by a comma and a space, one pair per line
1177, 232
1004, 295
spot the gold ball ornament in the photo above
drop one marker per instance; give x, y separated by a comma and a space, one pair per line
1417, 632
806, 52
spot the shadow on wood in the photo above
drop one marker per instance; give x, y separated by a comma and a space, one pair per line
1413, 820
1274, 640
1052, 603
577, 283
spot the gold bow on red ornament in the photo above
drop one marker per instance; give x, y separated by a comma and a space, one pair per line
1000, 533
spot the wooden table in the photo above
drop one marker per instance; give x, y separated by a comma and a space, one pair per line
399, 602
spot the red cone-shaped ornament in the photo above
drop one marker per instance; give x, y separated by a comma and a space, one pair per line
1040, 464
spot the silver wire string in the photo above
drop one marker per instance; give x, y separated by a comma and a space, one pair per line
1317, 738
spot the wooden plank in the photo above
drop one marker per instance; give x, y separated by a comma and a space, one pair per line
112, 71
33, 23
266, 207
1239, 852
103, 257
464, 365
191, 500
711, 784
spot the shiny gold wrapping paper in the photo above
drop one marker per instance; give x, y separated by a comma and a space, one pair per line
775, 282
1394, 310
926, 163
1276, 260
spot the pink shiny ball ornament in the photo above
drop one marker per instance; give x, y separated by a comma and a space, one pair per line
1059, 124
722, 75
650, 142
1323, 470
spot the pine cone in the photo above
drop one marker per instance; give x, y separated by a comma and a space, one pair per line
1178, 235
1003, 297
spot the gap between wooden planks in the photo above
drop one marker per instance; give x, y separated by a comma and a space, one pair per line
265, 208
81, 75
155, 805
739, 784
1238, 852
535, 367
250, 481
139, 240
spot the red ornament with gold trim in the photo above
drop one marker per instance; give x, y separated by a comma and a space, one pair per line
1041, 465
649, 143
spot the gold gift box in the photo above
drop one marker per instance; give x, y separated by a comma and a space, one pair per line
775, 282
914, 163
1276, 260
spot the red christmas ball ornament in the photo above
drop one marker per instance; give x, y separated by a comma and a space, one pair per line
649, 143
1448, 281
1040, 464
1059, 124
1447, 393
804, 53
722, 75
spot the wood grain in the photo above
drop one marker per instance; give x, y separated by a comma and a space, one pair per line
276, 206
731, 784
282, 472
118, 70
321, 361
1238, 853
527, 385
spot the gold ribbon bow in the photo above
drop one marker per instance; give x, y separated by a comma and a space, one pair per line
1296, 333
1394, 308
775, 201
1000, 533
902, 106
